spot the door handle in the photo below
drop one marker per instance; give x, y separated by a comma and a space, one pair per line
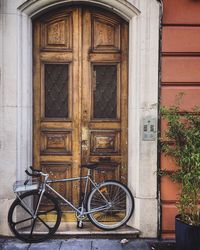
84, 144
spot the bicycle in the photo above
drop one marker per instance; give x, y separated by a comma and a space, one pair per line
108, 205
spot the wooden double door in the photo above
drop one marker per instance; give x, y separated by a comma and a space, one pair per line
80, 94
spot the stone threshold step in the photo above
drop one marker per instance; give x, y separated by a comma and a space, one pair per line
69, 229
90, 230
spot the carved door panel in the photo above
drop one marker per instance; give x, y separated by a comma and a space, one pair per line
104, 94
80, 95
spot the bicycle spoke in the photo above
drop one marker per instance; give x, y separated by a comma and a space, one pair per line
116, 194
44, 223
100, 216
30, 236
98, 203
119, 197
21, 205
45, 212
21, 221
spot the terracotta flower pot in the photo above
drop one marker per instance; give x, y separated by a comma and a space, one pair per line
187, 236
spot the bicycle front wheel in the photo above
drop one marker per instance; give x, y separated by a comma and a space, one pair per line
29, 225
110, 205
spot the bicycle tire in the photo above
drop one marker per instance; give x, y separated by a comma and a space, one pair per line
120, 201
22, 223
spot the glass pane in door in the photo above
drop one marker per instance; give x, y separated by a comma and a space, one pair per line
105, 92
56, 90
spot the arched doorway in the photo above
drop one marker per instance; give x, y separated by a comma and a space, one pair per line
80, 94
16, 98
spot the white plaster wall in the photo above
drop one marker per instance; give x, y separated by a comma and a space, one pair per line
16, 101
15, 137
8, 109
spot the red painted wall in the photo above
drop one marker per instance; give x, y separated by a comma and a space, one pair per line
180, 73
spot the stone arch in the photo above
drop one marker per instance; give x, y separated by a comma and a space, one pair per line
120, 7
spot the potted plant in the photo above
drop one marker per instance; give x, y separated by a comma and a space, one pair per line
181, 141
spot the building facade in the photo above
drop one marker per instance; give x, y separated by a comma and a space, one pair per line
180, 74
88, 39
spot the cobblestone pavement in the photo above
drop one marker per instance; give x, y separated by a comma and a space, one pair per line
88, 244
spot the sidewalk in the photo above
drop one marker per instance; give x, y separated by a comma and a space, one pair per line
87, 244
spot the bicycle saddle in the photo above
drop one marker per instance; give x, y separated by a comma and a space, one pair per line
90, 165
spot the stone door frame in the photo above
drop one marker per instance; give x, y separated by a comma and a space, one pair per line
143, 17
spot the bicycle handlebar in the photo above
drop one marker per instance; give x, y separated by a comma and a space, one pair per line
36, 173
35, 170
32, 175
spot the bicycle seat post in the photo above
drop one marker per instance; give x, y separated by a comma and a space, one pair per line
89, 172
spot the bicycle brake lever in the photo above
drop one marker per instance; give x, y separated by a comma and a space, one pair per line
32, 175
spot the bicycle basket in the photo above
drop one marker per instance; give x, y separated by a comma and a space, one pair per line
23, 186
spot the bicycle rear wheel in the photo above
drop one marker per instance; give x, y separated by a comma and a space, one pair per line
31, 229
111, 205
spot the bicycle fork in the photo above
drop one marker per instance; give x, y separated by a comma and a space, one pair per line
38, 204
41, 195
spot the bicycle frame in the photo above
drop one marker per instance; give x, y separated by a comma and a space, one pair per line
80, 211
